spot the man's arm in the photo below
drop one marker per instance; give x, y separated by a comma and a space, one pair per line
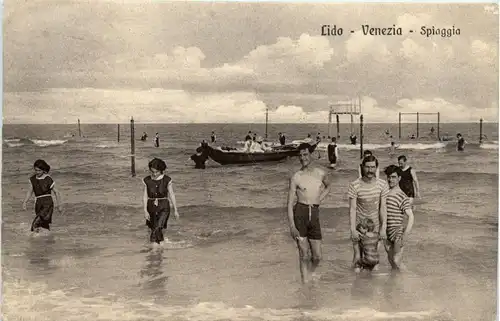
352, 214
326, 179
383, 211
411, 219
416, 186
290, 200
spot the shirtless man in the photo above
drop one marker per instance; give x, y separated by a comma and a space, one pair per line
367, 199
311, 186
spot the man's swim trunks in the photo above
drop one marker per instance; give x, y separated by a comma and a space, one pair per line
306, 219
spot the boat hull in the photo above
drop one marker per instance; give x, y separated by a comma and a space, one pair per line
231, 157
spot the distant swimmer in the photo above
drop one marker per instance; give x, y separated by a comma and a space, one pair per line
333, 153
360, 168
432, 130
368, 244
144, 136
460, 143
282, 138
353, 139
409, 182
398, 205
367, 200
248, 136
318, 138
157, 140
42, 185
213, 137
199, 158
392, 148
158, 193
254, 138
310, 185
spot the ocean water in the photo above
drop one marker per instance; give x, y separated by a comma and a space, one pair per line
230, 256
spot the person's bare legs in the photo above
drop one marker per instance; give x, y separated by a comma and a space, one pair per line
315, 253
304, 258
356, 256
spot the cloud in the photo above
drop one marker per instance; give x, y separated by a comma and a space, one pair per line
222, 57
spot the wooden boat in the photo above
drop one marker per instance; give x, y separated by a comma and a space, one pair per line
235, 157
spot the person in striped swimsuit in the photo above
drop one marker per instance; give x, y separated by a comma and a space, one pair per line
42, 185
369, 246
367, 199
398, 205
158, 193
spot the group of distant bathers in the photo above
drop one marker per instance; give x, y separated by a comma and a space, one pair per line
376, 209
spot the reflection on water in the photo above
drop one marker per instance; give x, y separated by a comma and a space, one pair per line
39, 251
152, 272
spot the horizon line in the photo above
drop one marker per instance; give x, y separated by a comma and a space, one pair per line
237, 123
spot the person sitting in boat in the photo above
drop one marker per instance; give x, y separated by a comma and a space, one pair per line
257, 146
308, 139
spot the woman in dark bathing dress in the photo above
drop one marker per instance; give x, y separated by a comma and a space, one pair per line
42, 186
158, 193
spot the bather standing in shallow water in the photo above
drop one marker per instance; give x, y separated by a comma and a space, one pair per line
310, 185
158, 194
42, 185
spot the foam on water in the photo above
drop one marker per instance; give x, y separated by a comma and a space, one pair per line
35, 301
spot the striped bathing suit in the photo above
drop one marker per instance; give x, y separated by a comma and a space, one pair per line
367, 196
397, 204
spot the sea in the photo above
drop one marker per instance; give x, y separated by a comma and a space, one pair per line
230, 255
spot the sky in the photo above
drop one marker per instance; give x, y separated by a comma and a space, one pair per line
204, 62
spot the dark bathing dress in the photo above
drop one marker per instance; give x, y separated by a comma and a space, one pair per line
158, 206
44, 205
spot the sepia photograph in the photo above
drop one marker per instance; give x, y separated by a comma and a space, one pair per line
249, 161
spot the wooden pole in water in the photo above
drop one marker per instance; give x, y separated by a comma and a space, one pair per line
418, 120
352, 123
132, 146
338, 126
118, 132
439, 121
480, 131
399, 126
330, 122
361, 136
79, 130
267, 117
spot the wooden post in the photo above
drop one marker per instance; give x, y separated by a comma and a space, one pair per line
267, 115
132, 146
399, 126
417, 124
338, 126
79, 130
352, 123
361, 136
330, 122
118, 132
480, 131
439, 121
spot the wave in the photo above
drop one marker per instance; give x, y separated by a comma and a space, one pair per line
60, 305
18, 142
489, 146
